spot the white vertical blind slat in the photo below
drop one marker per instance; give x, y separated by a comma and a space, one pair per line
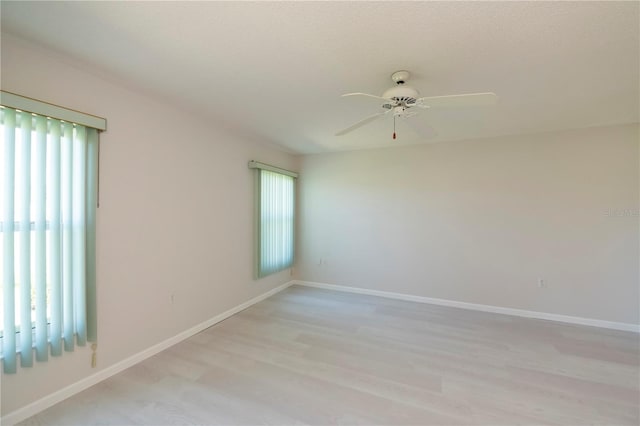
55, 240
66, 155
40, 230
24, 215
91, 200
78, 233
8, 243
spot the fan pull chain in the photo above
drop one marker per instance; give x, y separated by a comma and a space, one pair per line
394, 127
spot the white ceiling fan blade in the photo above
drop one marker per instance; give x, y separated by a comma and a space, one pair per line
361, 123
469, 99
367, 95
421, 129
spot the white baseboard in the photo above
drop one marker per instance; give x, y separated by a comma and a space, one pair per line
478, 307
64, 393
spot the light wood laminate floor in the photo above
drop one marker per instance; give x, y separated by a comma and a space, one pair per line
310, 356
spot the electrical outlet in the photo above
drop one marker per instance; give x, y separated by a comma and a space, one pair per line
541, 283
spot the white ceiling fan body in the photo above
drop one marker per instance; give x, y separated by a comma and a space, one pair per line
401, 101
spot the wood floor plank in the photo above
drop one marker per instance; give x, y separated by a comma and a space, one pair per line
319, 357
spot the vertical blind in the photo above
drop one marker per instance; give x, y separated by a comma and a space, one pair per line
275, 220
48, 200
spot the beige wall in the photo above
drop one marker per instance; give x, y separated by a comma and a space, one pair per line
175, 217
481, 221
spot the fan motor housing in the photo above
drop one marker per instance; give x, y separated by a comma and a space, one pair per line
402, 94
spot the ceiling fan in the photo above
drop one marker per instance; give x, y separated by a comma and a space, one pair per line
403, 101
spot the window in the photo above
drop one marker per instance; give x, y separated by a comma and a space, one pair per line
48, 197
275, 218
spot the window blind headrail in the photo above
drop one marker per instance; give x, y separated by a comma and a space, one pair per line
262, 166
46, 109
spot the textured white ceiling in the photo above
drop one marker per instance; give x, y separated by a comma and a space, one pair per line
275, 70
